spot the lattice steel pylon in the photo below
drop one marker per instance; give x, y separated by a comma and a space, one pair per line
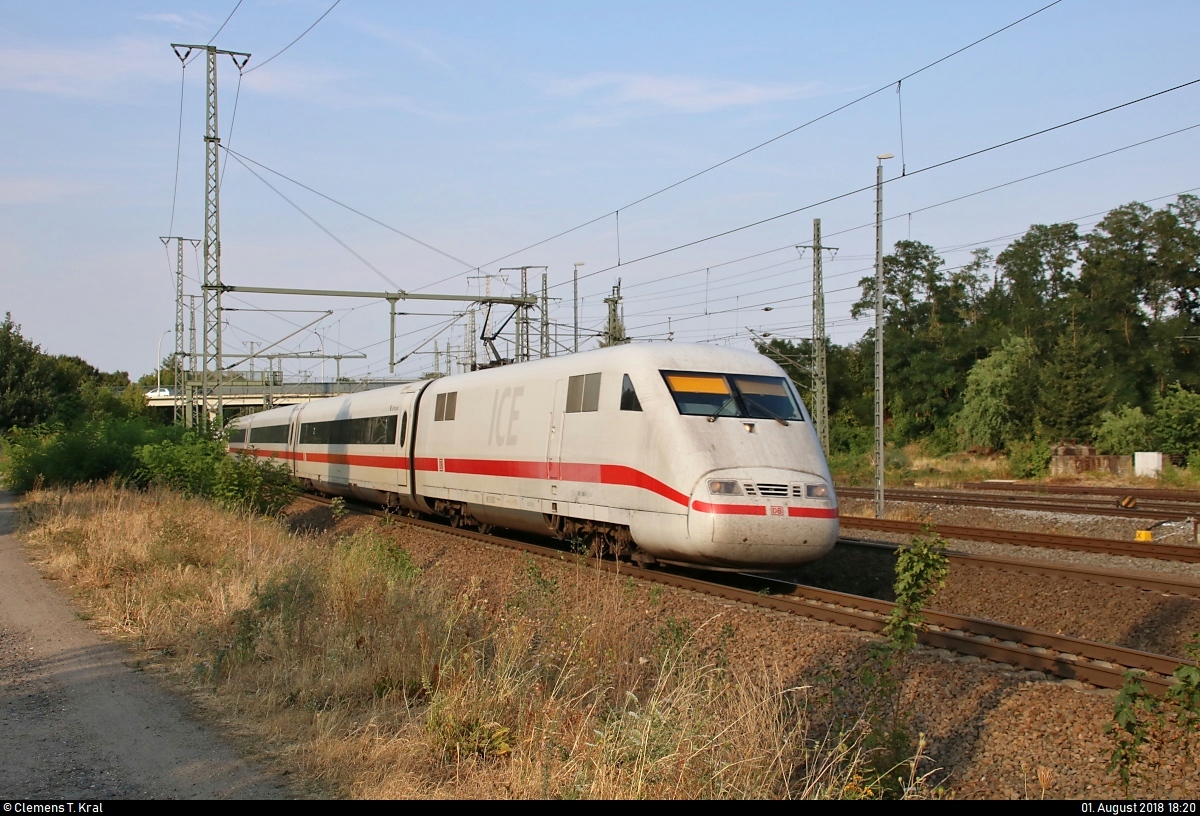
544, 351
178, 381
820, 377
210, 375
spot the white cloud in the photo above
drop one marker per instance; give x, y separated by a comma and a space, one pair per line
30, 190
175, 20
414, 44
619, 96
331, 89
93, 71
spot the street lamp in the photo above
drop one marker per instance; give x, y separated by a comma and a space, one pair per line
158, 362
879, 334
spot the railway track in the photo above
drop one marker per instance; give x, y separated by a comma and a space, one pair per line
1135, 580
1106, 546
1099, 664
1184, 496
1145, 509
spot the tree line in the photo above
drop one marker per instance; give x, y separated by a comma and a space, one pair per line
1064, 335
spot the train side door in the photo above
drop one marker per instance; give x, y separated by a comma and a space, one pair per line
294, 440
554, 442
404, 437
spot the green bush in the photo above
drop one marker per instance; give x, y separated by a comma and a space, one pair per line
86, 451
847, 435
201, 467
1177, 421
1125, 431
1028, 458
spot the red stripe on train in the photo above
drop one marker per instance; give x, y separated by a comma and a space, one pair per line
730, 509
620, 475
813, 512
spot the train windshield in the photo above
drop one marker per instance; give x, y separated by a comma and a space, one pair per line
732, 395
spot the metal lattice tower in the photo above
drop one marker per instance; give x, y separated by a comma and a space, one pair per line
471, 341
614, 328
179, 324
820, 341
545, 349
879, 464
523, 354
820, 374
190, 418
210, 382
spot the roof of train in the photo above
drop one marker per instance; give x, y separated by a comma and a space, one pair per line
682, 356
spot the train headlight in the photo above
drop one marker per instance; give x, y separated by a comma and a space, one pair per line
816, 491
724, 487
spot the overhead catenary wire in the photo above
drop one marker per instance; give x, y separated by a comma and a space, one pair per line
227, 19
317, 223
784, 134
936, 165
345, 206
958, 247
178, 145
293, 42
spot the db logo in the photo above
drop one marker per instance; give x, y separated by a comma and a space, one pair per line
776, 511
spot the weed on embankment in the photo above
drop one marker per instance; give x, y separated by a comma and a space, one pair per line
363, 674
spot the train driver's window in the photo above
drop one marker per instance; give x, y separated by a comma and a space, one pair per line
583, 393
629, 398
702, 394
403, 428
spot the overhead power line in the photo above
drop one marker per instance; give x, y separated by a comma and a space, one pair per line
317, 223
293, 42
927, 168
227, 19
773, 139
344, 206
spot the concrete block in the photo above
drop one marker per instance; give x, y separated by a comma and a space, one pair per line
1147, 463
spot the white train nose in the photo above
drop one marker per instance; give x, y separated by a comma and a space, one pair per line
766, 519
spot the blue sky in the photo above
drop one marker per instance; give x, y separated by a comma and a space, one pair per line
481, 128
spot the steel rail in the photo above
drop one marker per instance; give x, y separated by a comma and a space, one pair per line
1133, 580
1099, 664
1106, 546
1185, 496
1092, 508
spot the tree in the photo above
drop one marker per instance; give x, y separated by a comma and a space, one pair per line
1124, 431
1035, 273
28, 382
1177, 421
997, 405
929, 342
1073, 389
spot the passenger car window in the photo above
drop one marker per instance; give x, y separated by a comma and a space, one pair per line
629, 397
583, 393
443, 410
269, 435
380, 430
403, 428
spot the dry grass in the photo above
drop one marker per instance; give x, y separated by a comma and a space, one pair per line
372, 680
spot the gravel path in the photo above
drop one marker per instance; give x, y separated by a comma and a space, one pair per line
77, 723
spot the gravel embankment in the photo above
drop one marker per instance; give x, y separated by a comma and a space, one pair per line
990, 728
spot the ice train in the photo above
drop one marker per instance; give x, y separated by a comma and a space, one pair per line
678, 453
